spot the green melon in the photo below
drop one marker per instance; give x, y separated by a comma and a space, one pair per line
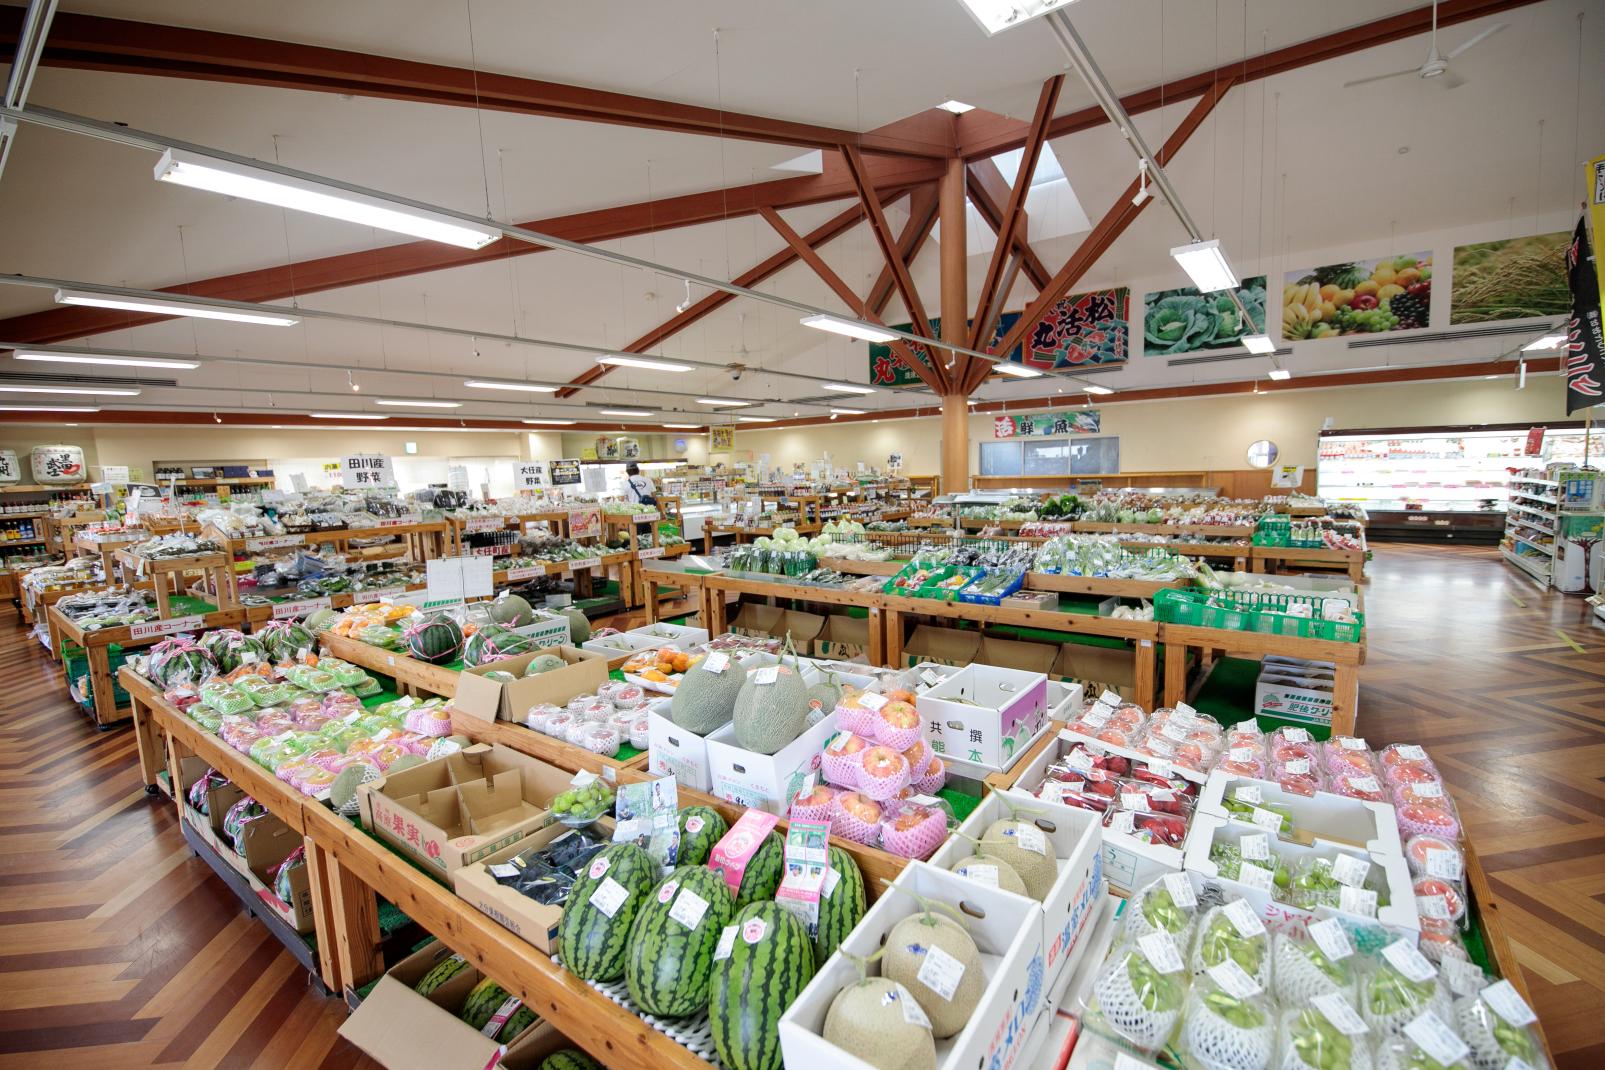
320, 620
769, 716
669, 963
771, 961
579, 625
544, 663
705, 700
590, 941
700, 828
511, 610
842, 907
440, 973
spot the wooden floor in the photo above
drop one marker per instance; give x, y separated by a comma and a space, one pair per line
119, 948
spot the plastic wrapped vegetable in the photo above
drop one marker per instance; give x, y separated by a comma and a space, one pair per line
223, 698
1157, 909
1233, 933
1312, 1041
1402, 1052
1318, 883
1302, 970
1389, 999
1230, 862
1496, 1025
1227, 1030
1139, 999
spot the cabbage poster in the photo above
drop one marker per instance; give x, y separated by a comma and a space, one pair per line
1390, 293
1185, 321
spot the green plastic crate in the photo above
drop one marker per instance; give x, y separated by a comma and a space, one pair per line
1266, 614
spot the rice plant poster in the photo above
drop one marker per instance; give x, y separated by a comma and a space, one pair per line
1390, 293
1522, 278
1186, 321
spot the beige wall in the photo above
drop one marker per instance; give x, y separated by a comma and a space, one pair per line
653, 447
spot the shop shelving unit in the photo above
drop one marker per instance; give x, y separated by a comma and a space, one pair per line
1532, 524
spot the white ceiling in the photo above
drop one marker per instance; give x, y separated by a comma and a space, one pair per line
1287, 169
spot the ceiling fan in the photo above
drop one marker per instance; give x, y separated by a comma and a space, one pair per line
1436, 68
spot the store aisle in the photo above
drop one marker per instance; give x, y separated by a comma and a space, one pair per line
121, 949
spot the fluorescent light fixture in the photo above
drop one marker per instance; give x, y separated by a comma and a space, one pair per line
1019, 371
553, 423
91, 358
171, 308
527, 388
1206, 265
618, 360
726, 402
69, 390
1259, 343
625, 412
836, 325
957, 107
1521, 376
234, 179
756, 419
1095, 389
1280, 374
996, 16
849, 388
685, 427
1548, 341
46, 408
847, 412
348, 416
403, 404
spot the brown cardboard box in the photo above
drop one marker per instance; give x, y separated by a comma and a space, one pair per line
843, 638
1096, 669
461, 808
755, 619
1014, 654
944, 646
406, 1031
535, 923
218, 800
269, 842
489, 700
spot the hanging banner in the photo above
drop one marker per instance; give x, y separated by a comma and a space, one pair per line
1596, 210
1585, 341
365, 471
531, 474
722, 439
1535, 442
1079, 422
565, 472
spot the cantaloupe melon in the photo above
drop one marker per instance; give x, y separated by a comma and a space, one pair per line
544, 663
867, 1019
705, 700
990, 869
511, 610
1017, 843
579, 625
907, 947
770, 715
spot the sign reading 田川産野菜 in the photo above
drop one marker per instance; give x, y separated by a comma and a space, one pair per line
1079, 422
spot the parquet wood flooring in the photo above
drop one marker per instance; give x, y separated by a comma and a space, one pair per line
119, 948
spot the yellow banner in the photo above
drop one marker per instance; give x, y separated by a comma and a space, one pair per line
1595, 172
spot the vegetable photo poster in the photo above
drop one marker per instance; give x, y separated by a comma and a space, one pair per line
1391, 293
1186, 321
1522, 278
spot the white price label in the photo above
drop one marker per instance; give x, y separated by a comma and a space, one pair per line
1095, 718
609, 896
1433, 1036
1410, 752
1247, 793
940, 972
1243, 918
766, 675
1403, 956
1121, 821
165, 627
1242, 754
1257, 877
1079, 759
1337, 1010
1435, 907
503, 870
727, 943
529, 572
1266, 819
1181, 890
476, 524
688, 909
1235, 980
1030, 838
929, 678
1255, 846
286, 610
1110, 699
980, 873
1465, 978
1296, 735
1133, 800
1351, 743
871, 700
1160, 950
1508, 1004
1444, 863
913, 1013
1347, 869
1330, 937
1366, 785
832, 878
1174, 730
1361, 901
1427, 789
362, 598
1160, 767
651, 553
582, 563
1297, 766
716, 662
1186, 712
274, 542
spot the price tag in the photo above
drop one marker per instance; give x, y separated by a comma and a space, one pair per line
1030, 838
1122, 821
165, 627
1351, 743
941, 972
1361, 901
1297, 766
609, 896
1465, 978
688, 909
286, 610
362, 598
475, 524
716, 662
1243, 918
981, 873
1266, 819
1433, 1036
1296, 735
1255, 846
1180, 889
1427, 789
1235, 980
503, 870
1185, 712
1079, 759
1403, 956
1330, 937
1096, 717
582, 563
871, 700
1256, 877
1160, 767
1247, 793
1337, 1010
1365, 784
1410, 752
1133, 800
399, 521
727, 943
1347, 869
1443, 863
526, 573
832, 878
1508, 1004
1110, 699
1242, 754
650, 553
1160, 950
1174, 730
1433, 906
766, 675
929, 678
274, 542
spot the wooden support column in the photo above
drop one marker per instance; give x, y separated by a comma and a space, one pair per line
955, 443
955, 312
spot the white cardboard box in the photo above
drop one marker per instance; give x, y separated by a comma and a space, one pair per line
680, 636
765, 781
1304, 699
1076, 836
675, 751
612, 646
1064, 703
1002, 709
1010, 942
1324, 817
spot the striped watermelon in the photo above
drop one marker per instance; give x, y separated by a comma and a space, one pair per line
590, 941
569, 1059
700, 828
440, 973
669, 965
762, 876
843, 908
436, 639
484, 1000
771, 960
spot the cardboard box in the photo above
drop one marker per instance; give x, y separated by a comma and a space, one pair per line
406, 1031
682, 636
1096, 668
765, 781
490, 700
843, 638
1013, 654
1064, 703
1012, 961
1319, 818
548, 629
941, 646
755, 619
1300, 700
269, 842
676, 752
983, 714
461, 808
535, 923
1077, 842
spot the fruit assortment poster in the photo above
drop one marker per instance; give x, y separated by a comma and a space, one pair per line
1390, 293
1186, 321
1522, 278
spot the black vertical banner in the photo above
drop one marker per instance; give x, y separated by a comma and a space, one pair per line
1585, 340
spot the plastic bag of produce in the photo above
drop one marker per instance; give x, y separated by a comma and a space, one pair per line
1303, 968
1341, 881
1140, 991
1167, 905
1497, 1026
1228, 1024
1428, 1043
224, 698
1322, 1036
1403, 985
1233, 933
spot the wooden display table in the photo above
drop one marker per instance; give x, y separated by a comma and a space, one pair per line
459, 526
1224, 531
720, 584
679, 574
1209, 643
216, 569
1350, 561
709, 530
1099, 585
106, 548
59, 532
39, 608
96, 647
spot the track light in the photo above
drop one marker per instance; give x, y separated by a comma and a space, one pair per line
352, 383
1142, 193
686, 304
995, 16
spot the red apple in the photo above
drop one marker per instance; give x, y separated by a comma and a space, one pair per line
865, 809
883, 762
900, 715
843, 746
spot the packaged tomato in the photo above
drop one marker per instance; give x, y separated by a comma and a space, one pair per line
1166, 830
1355, 785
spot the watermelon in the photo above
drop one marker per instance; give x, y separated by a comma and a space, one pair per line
178, 662
520, 1020
285, 640
669, 964
493, 643
486, 998
591, 941
771, 960
842, 908
440, 973
700, 828
764, 870
569, 1059
213, 643
436, 639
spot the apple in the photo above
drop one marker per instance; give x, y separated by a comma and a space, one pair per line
860, 806
911, 817
820, 796
884, 763
936, 768
842, 746
900, 694
900, 715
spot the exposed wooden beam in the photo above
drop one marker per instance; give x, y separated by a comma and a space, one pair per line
890, 176
808, 255
1009, 225
990, 193
922, 213
867, 194
90, 42
982, 134
1111, 226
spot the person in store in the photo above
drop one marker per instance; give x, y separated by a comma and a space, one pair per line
639, 489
